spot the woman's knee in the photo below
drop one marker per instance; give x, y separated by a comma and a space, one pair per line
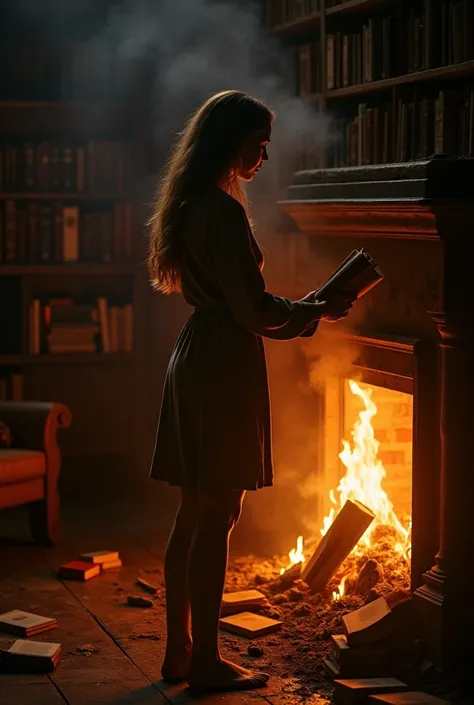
221, 509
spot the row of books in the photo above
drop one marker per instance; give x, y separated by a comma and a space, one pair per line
278, 12
95, 167
12, 386
65, 69
38, 232
407, 130
63, 325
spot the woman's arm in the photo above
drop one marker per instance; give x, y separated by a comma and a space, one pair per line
243, 286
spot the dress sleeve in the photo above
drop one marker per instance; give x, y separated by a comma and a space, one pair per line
243, 286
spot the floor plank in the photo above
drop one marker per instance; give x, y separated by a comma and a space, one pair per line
29, 693
92, 668
139, 632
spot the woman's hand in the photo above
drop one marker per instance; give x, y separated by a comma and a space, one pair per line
335, 309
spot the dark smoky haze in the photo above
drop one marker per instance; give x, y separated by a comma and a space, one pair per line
184, 51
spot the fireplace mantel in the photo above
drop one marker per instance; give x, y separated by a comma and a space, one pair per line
416, 220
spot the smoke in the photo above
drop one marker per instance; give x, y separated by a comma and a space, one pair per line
179, 52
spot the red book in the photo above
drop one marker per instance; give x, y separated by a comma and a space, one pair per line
78, 570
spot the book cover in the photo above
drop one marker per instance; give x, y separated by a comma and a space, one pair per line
99, 556
356, 690
79, 570
249, 624
31, 656
25, 623
370, 623
410, 697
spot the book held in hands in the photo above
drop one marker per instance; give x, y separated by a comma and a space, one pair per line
354, 277
25, 623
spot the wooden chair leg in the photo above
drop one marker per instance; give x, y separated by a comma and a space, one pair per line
44, 520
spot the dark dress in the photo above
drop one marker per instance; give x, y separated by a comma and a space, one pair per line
214, 429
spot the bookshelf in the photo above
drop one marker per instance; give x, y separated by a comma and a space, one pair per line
72, 259
396, 77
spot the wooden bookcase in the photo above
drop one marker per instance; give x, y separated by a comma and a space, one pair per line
396, 76
70, 233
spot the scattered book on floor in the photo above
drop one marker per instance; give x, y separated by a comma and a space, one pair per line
411, 697
345, 655
353, 691
31, 656
78, 570
25, 623
244, 600
108, 565
369, 624
249, 624
99, 556
336, 671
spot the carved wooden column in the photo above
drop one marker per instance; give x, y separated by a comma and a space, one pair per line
445, 600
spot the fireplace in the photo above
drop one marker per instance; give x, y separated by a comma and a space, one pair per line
412, 342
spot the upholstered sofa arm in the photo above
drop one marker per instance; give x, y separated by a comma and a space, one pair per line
34, 424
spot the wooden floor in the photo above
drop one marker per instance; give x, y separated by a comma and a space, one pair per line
111, 653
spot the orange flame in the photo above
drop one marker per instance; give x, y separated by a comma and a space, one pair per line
364, 477
362, 482
296, 555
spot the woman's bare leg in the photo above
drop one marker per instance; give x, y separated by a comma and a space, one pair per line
217, 515
178, 616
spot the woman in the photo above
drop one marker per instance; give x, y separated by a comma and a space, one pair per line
213, 438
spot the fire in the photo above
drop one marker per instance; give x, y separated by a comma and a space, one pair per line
363, 482
296, 555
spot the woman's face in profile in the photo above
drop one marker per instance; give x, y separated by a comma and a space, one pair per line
253, 153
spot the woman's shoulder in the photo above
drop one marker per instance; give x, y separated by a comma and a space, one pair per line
225, 203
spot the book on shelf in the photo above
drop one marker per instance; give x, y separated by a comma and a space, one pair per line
354, 277
92, 167
25, 623
12, 386
64, 325
39, 232
30, 656
280, 12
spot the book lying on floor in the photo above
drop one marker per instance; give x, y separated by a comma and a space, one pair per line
244, 600
108, 565
357, 690
346, 655
99, 556
25, 623
354, 277
249, 624
30, 656
412, 697
336, 671
78, 570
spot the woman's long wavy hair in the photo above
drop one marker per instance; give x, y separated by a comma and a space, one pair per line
205, 154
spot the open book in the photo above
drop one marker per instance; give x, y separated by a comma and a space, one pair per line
354, 277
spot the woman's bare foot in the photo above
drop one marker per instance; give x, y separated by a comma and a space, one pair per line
223, 675
176, 663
